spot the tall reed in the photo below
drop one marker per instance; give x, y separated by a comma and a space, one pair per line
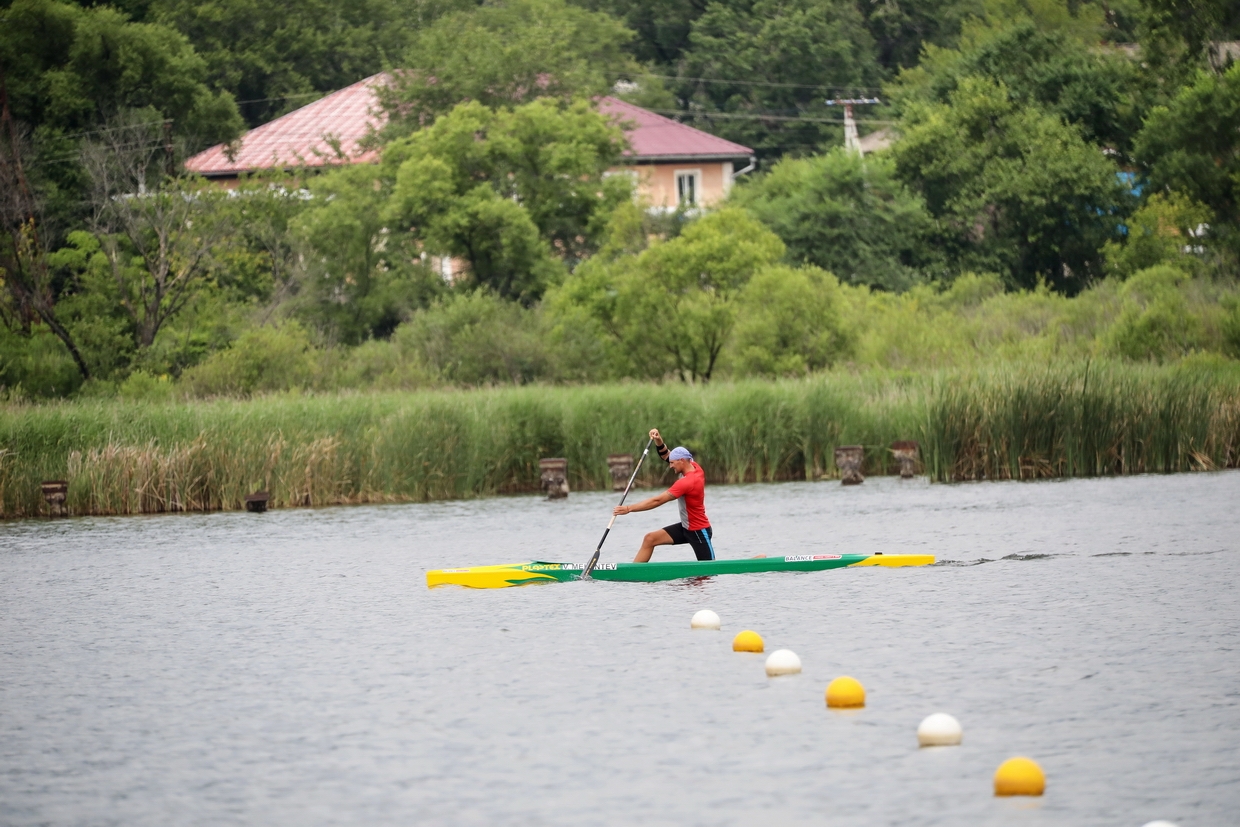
1012, 422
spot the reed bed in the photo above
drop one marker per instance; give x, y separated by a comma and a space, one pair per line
1003, 423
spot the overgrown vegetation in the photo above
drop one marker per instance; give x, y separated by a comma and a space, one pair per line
1081, 418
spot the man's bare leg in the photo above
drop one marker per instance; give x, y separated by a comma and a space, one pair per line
654, 538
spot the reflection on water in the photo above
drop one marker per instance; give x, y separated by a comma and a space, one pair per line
292, 668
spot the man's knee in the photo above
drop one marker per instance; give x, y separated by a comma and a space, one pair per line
656, 538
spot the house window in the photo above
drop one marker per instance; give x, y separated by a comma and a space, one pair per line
688, 187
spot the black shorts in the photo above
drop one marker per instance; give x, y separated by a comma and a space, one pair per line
700, 540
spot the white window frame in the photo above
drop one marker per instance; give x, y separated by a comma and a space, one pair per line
696, 174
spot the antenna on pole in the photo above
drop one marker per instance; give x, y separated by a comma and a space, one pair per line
852, 142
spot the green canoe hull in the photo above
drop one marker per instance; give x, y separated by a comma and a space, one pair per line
522, 574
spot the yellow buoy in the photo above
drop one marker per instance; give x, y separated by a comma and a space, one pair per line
1019, 776
844, 692
747, 641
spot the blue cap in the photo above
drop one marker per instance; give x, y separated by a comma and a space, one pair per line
679, 452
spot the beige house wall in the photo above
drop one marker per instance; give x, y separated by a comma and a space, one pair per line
656, 183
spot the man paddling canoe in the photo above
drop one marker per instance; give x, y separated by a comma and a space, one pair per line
690, 490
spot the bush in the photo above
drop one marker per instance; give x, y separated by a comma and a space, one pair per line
1155, 322
789, 323
36, 366
474, 339
279, 357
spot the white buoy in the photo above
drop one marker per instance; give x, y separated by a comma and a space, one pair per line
1159, 823
939, 730
783, 662
705, 619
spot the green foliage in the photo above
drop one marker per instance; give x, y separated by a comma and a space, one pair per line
275, 56
91, 306
1014, 188
790, 323
68, 68
361, 278
36, 366
475, 339
1158, 233
262, 359
1192, 146
1099, 91
1230, 327
504, 54
671, 308
800, 48
1154, 322
846, 215
510, 191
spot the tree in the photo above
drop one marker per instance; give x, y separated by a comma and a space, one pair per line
844, 214
789, 323
800, 49
157, 233
361, 275
29, 295
1015, 190
503, 54
275, 57
662, 26
902, 29
1101, 92
512, 191
1192, 146
70, 69
672, 308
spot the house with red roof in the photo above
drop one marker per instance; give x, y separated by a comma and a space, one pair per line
674, 165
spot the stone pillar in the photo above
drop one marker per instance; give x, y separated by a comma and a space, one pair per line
848, 458
905, 452
554, 477
55, 492
257, 502
621, 467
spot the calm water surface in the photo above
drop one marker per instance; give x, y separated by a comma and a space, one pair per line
292, 668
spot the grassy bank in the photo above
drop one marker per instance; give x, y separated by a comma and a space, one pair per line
997, 423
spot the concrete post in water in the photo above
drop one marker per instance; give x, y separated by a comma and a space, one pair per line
554, 477
620, 466
55, 492
848, 459
257, 502
905, 452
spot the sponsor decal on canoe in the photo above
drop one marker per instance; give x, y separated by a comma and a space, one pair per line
808, 558
603, 567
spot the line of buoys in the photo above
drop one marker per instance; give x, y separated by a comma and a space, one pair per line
1015, 776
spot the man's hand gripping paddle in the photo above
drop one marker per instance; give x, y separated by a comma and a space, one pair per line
585, 573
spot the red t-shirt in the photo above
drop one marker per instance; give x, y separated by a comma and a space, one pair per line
690, 492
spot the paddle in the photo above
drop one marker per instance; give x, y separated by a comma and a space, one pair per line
585, 573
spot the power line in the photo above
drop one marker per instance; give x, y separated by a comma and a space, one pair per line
697, 113
762, 83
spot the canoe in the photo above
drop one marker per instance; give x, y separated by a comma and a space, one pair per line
536, 571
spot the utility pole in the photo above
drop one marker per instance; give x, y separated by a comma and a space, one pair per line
852, 142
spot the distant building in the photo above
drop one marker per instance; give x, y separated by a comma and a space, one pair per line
674, 165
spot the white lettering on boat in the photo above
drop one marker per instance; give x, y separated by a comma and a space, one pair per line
809, 558
605, 567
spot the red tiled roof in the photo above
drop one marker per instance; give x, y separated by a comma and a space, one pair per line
304, 137
655, 137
